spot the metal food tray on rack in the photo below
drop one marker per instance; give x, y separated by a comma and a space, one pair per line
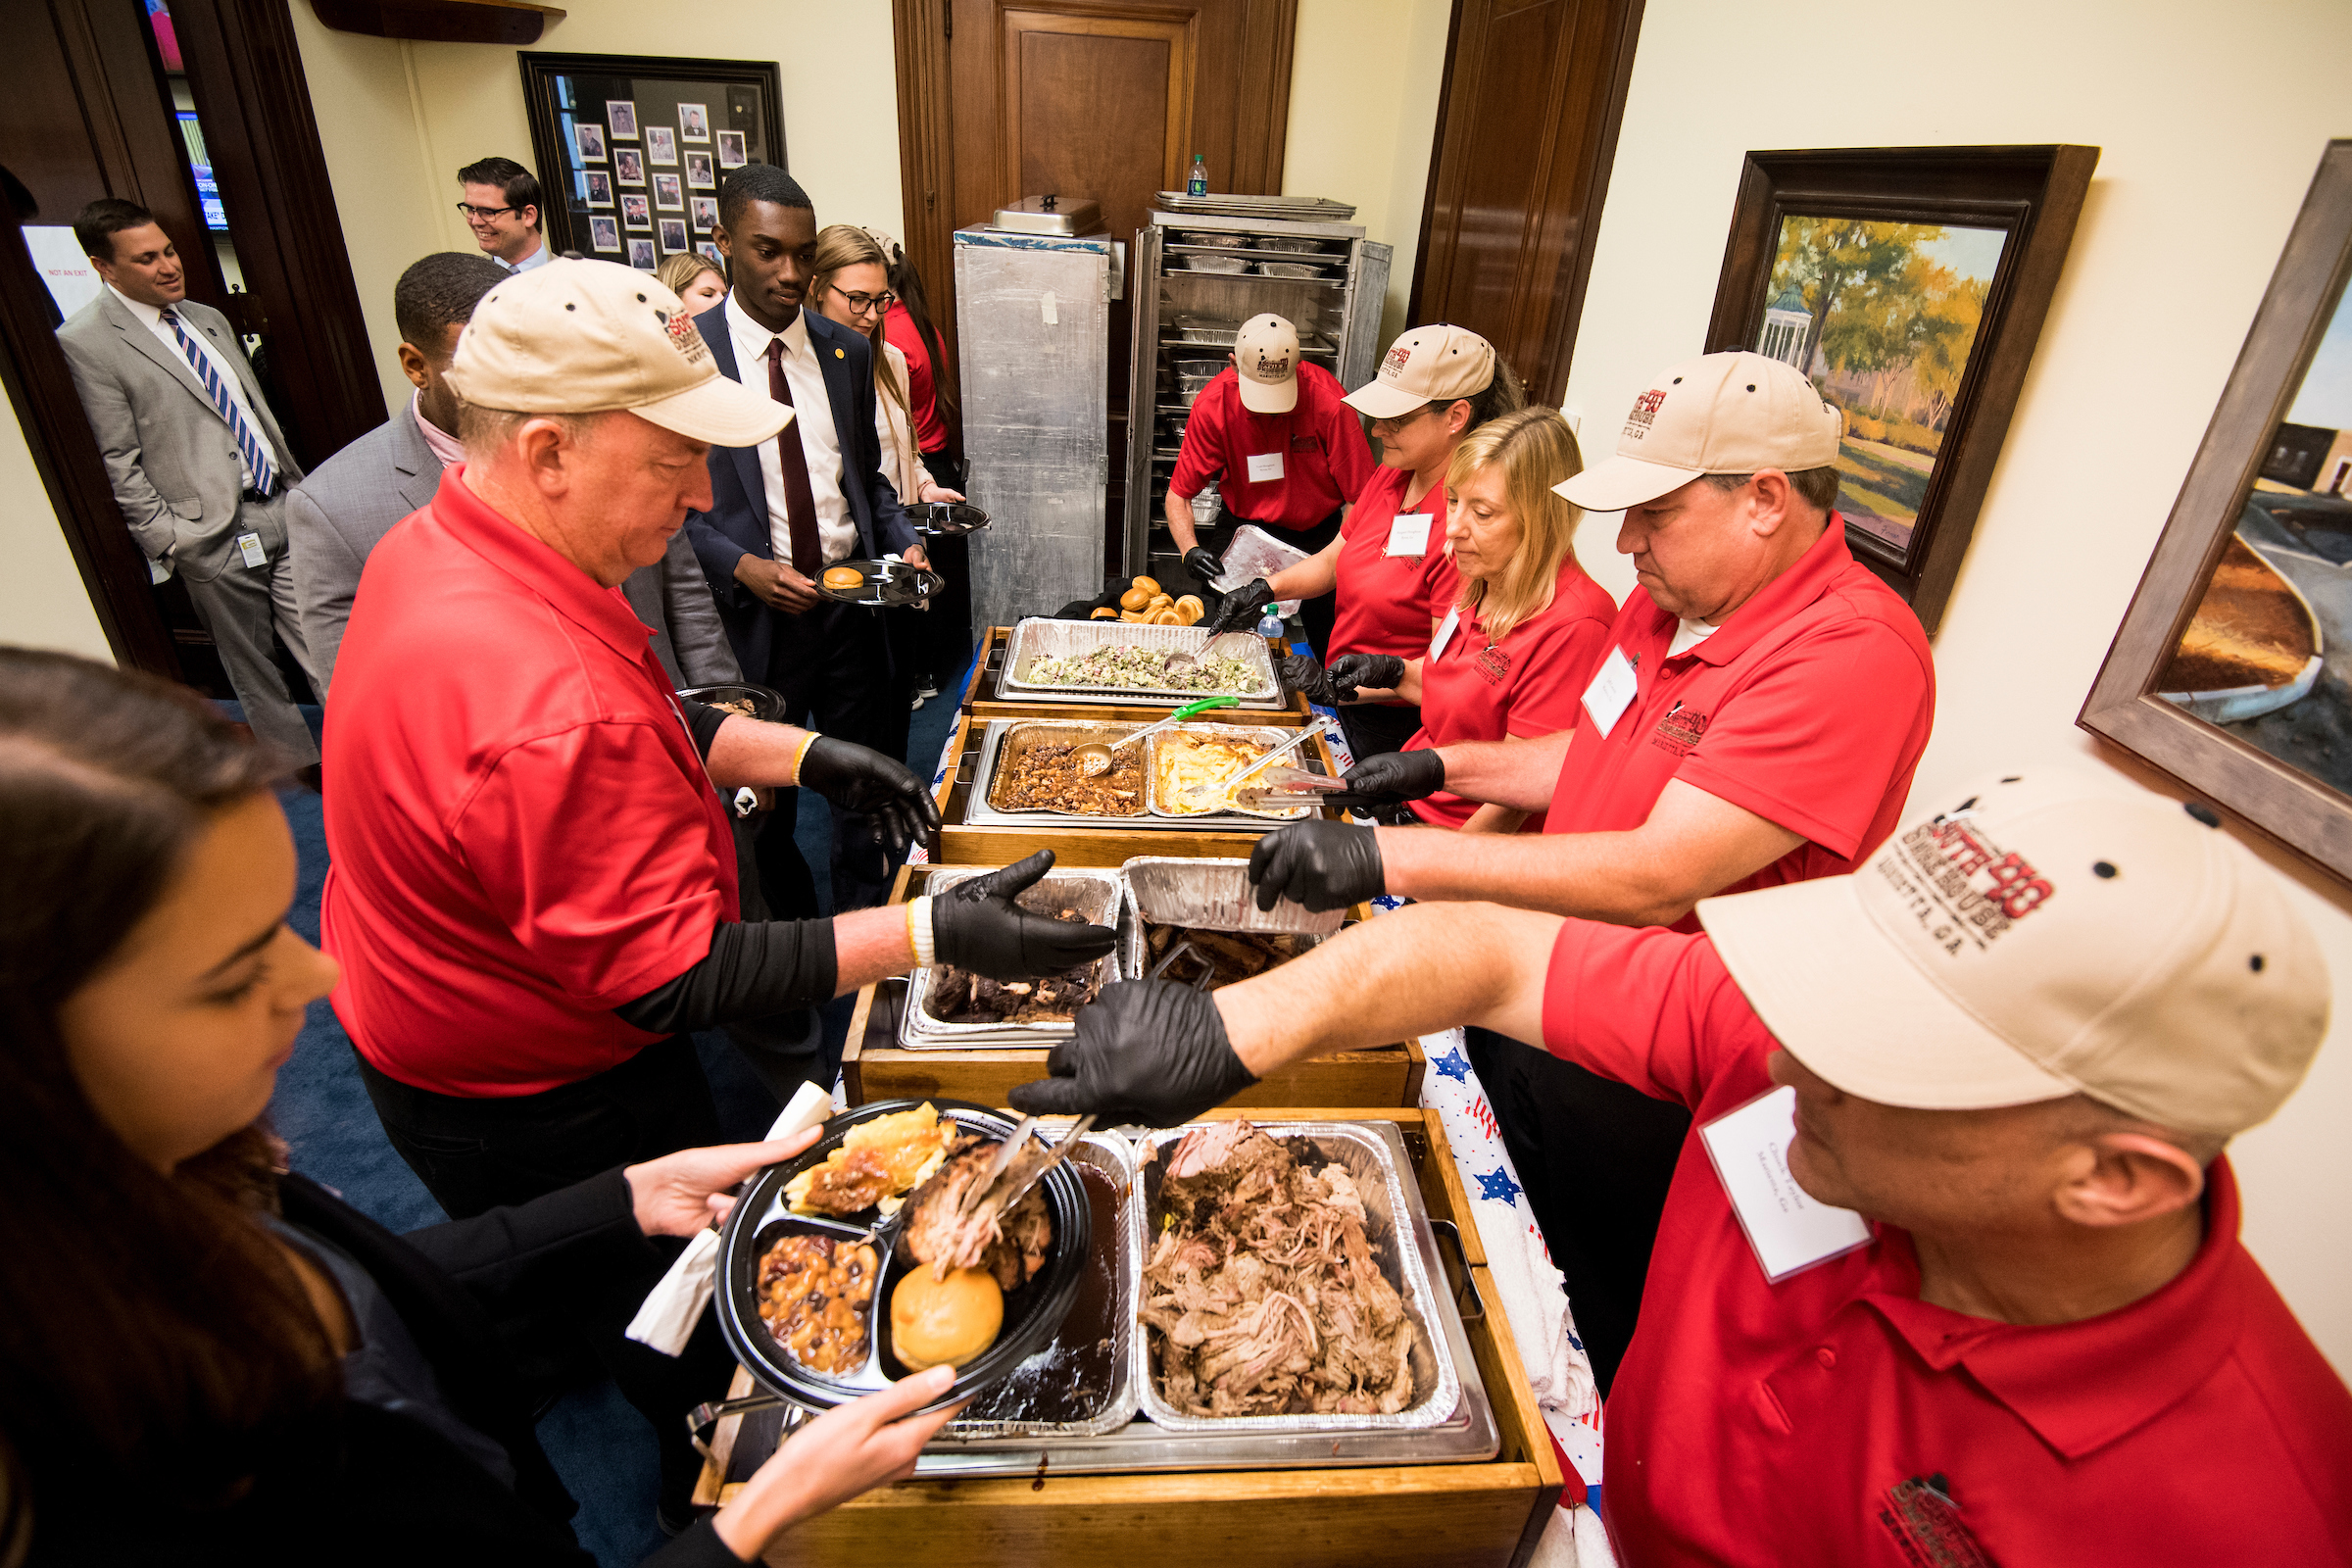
1269, 738
1098, 895
1205, 900
978, 813
1036, 637
1394, 1218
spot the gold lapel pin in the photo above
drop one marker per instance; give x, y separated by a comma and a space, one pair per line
840, 355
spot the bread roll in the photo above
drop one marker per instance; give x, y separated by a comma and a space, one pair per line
1149, 585
935, 1322
1134, 599
1105, 612
1163, 618
843, 577
1190, 609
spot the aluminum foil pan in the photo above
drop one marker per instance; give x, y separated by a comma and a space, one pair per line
1171, 807
1213, 263
1019, 737
1215, 895
1121, 1245
1393, 1215
978, 813
1221, 336
1292, 269
1209, 236
1199, 370
1284, 242
1035, 638
1098, 895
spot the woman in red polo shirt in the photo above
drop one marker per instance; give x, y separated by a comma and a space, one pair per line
1527, 628
1388, 570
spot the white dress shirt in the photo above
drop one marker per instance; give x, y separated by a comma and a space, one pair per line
538, 258
152, 317
812, 418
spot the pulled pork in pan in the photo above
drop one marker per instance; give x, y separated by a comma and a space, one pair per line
1262, 1296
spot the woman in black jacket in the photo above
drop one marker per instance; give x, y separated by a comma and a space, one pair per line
204, 1357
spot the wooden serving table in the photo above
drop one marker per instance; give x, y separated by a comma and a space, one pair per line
874, 1066
1486, 1514
984, 699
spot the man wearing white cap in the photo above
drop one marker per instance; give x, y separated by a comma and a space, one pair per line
1274, 433
1756, 721
1965, 1288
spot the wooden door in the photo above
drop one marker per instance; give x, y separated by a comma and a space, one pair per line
1527, 128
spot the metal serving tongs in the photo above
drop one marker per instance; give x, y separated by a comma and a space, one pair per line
1232, 781
1094, 757
1184, 663
1280, 787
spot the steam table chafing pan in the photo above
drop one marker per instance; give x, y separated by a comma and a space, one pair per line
1008, 735
1037, 637
1097, 894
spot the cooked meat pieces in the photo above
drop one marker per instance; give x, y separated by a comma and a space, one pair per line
1046, 777
858, 1182
1231, 956
960, 997
1262, 1296
1011, 1245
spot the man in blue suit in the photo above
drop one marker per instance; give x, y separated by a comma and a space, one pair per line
784, 511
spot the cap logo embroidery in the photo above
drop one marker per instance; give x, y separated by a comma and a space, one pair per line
1273, 367
1646, 410
684, 339
1962, 887
1394, 365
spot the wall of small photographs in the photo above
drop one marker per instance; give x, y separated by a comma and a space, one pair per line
637, 145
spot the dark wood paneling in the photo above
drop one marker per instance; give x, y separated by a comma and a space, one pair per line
1527, 130
1091, 113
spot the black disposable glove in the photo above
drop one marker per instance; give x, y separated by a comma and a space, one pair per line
1323, 866
1242, 607
1148, 1050
857, 778
1203, 564
975, 925
1399, 775
1300, 673
1349, 673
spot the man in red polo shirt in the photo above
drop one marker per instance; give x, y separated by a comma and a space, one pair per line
1287, 452
1966, 1287
1756, 721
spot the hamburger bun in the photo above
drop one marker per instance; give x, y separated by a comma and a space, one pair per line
943, 1322
1190, 609
1149, 585
1106, 612
1134, 599
843, 577
1163, 618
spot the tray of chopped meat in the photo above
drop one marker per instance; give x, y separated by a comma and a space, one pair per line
1283, 1287
1032, 767
949, 1007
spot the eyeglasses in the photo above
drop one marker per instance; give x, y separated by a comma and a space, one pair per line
1399, 421
473, 212
859, 304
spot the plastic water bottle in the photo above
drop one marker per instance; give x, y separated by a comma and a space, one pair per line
1269, 624
1197, 185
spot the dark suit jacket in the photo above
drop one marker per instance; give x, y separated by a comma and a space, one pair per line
737, 522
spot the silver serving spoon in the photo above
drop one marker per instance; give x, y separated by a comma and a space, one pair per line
1185, 662
1094, 757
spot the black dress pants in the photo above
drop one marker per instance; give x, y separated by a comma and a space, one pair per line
1316, 614
948, 623
1373, 728
477, 1155
1596, 1158
832, 665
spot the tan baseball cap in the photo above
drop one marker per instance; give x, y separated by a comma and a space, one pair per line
1265, 356
593, 337
2048, 932
1720, 414
1436, 363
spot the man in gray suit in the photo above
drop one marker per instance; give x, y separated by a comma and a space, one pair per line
198, 465
336, 517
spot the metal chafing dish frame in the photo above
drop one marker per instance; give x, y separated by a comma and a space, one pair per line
979, 813
1032, 635
920, 1030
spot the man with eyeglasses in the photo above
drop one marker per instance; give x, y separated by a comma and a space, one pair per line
502, 208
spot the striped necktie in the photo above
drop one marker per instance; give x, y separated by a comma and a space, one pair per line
248, 442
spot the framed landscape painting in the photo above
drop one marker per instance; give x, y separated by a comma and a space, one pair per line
1909, 284
2233, 669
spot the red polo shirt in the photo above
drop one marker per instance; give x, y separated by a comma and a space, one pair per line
1386, 604
1763, 1424
522, 834
922, 394
1528, 684
1808, 707
1325, 457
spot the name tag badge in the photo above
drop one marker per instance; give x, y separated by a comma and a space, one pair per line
1409, 534
249, 544
1612, 689
1437, 644
1265, 467
1789, 1230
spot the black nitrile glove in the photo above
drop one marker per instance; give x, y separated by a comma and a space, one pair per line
1241, 607
1147, 1051
1300, 673
975, 925
857, 778
1322, 866
1349, 673
1203, 564
1399, 775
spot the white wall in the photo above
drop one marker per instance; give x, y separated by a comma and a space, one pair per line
2211, 124
42, 602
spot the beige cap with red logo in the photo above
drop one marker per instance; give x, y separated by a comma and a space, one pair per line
1723, 413
1265, 356
2048, 932
1435, 363
596, 337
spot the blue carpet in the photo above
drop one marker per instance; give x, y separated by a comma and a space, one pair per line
599, 1446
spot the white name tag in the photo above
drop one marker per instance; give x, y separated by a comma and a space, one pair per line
1265, 467
1788, 1229
1437, 644
249, 544
1611, 690
1409, 534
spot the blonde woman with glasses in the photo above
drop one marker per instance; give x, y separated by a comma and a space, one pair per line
850, 284
1527, 627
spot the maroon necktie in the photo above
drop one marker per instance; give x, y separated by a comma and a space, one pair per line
800, 502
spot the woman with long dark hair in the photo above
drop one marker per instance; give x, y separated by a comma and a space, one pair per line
202, 1356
